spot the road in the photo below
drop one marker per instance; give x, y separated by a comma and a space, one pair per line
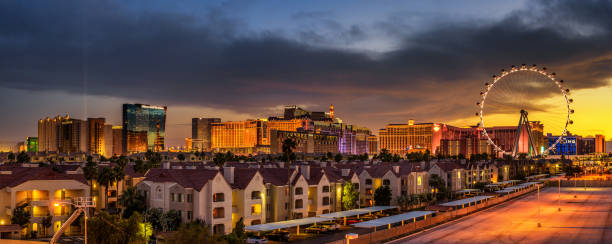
583, 220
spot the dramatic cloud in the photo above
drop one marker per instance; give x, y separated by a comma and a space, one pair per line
214, 60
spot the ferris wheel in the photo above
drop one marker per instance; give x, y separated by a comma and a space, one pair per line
519, 94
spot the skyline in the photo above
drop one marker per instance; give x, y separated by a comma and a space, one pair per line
234, 60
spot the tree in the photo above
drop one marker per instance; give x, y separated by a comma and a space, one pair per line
132, 202
402, 202
338, 157
140, 166
238, 235
171, 220
23, 157
350, 196
21, 216
480, 186
11, 156
180, 157
219, 159
118, 176
109, 229
196, 232
104, 178
438, 184
382, 196
329, 155
154, 216
90, 172
385, 156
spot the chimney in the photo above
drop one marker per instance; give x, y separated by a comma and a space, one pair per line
345, 172
305, 170
396, 169
228, 174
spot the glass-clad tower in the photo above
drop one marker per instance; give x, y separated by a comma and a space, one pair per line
144, 128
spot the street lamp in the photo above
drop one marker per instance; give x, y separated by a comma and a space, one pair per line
539, 224
559, 195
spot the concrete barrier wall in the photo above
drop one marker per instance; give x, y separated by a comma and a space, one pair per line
383, 233
589, 183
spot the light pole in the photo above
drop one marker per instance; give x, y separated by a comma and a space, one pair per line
539, 224
559, 196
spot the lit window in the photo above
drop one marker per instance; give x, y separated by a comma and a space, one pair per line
256, 209
419, 180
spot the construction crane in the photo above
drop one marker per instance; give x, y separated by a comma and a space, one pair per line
81, 204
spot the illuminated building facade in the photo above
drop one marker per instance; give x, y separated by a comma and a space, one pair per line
96, 135
47, 133
588, 146
72, 136
410, 137
306, 142
569, 145
372, 144
32, 144
144, 127
240, 137
600, 144
117, 133
201, 133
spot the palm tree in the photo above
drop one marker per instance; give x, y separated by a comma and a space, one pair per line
90, 171
105, 177
288, 147
118, 175
131, 201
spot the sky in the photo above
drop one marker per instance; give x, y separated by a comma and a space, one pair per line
378, 62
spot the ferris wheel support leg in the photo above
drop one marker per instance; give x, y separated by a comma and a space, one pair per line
518, 136
530, 137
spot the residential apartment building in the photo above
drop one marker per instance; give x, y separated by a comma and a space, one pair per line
195, 193
43, 192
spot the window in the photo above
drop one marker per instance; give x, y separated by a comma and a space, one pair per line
189, 198
356, 185
419, 180
368, 181
172, 197
325, 188
325, 201
386, 182
218, 197
255, 195
189, 215
256, 209
299, 191
286, 206
180, 197
180, 213
299, 204
158, 193
219, 229
218, 213
368, 191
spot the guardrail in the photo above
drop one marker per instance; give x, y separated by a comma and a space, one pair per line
378, 236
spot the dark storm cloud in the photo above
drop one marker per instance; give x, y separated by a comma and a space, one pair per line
212, 60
